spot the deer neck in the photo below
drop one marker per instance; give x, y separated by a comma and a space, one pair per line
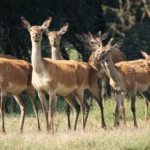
56, 53
36, 57
111, 70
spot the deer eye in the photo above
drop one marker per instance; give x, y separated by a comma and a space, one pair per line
41, 30
92, 42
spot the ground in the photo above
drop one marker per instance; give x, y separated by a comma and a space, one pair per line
125, 137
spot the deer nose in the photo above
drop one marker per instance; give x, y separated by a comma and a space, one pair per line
36, 36
53, 41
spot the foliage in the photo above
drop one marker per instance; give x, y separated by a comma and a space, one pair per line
137, 38
129, 20
82, 16
118, 17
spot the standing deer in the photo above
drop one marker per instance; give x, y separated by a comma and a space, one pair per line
117, 57
12, 101
126, 76
93, 43
54, 40
15, 77
147, 57
59, 77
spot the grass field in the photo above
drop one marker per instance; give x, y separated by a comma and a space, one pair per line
126, 137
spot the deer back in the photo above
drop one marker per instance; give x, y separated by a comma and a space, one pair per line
68, 73
14, 75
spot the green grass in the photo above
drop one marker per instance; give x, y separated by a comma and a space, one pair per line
125, 137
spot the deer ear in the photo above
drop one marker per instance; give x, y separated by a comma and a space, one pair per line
105, 35
97, 35
64, 29
25, 23
46, 23
117, 45
79, 37
144, 54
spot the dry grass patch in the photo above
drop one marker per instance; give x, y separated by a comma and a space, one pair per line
126, 137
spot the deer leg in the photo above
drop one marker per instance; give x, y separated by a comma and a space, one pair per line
100, 103
107, 87
133, 109
87, 109
3, 100
79, 95
104, 88
97, 95
51, 110
22, 105
12, 105
76, 108
45, 108
146, 95
91, 102
55, 103
31, 94
68, 116
118, 98
146, 109
123, 108
6, 106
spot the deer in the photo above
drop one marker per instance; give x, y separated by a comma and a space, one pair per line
126, 76
60, 78
12, 102
147, 57
117, 56
15, 77
54, 40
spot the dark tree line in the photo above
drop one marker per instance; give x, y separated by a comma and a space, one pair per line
123, 18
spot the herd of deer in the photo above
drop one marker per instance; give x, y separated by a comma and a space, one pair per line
67, 78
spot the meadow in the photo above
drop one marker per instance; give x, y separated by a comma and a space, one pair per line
125, 137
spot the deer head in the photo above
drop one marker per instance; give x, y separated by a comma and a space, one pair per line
92, 42
103, 54
55, 36
36, 32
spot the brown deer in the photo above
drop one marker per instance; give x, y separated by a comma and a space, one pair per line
92, 43
147, 57
12, 101
126, 76
59, 77
117, 57
54, 40
15, 77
